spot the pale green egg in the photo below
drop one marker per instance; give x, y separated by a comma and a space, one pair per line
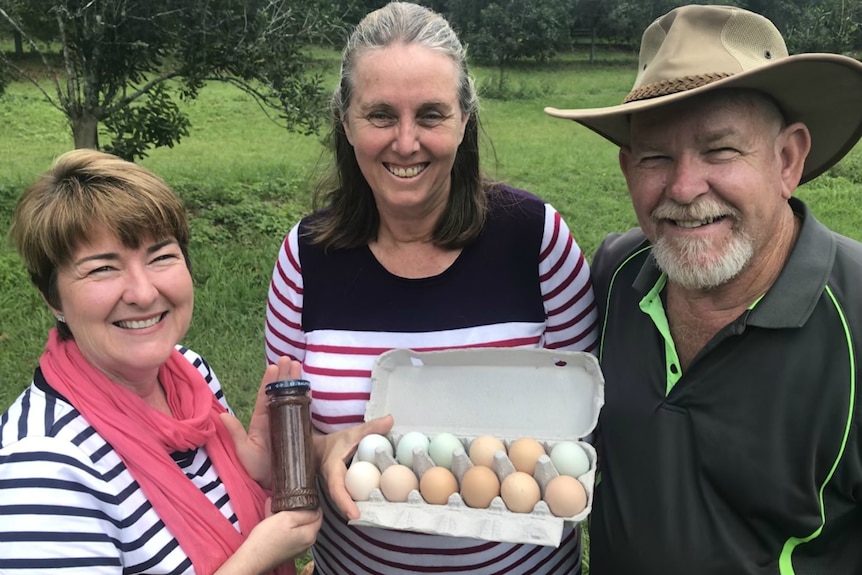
441, 447
569, 458
404, 449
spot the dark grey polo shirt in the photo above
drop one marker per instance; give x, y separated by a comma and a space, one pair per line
749, 462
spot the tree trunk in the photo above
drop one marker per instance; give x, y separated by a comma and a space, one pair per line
85, 130
19, 44
593, 46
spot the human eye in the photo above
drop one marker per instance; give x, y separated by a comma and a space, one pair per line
380, 118
652, 160
431, 120
722, 153
432, 116
95, 269
167, 254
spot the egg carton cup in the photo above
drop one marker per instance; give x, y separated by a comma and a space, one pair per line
482, 392
496, 523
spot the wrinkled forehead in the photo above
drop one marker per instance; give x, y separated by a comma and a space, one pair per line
733, 108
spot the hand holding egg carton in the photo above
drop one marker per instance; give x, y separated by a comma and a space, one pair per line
485, 444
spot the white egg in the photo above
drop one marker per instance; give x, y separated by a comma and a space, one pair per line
441, 447
569, 458
404, 449
369, 444
362, 478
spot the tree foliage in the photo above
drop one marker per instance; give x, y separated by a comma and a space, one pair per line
815, 26
807, 25
120, 67
503, 31
122, 64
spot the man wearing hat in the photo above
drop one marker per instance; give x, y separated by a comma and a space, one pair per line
730, 441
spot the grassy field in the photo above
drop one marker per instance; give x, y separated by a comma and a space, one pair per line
246, 182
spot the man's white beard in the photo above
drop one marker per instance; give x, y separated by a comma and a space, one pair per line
691, 263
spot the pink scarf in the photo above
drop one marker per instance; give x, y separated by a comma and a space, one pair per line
144, 438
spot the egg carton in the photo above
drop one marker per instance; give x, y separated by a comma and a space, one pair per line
547, 395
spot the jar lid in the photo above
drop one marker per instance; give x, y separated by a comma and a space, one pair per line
288, 385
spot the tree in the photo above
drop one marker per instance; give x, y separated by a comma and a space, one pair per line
592, 17
815, 25
352, 11
807, 25
122, 63
628, 19
511, 30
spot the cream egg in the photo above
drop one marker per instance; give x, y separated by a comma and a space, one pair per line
479, 486
483, 448
437, 484
361, 479
565, 496
520, 492
396, 483
524, 452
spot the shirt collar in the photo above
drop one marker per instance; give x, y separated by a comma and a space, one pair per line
791, 300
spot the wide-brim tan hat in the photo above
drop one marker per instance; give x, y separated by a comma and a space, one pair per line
695, 49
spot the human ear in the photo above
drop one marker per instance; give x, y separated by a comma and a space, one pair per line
464, 119
794, 143
56, 312
345, 124
626, 160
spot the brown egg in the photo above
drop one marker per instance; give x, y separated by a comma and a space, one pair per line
483, 448
437, 484
396, 483
520, 492
524, 452
479, 486
565, 496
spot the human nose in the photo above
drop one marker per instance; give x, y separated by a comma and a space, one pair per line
687, 180
139, 289
406, 138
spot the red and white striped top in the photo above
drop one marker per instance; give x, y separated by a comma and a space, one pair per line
523, 283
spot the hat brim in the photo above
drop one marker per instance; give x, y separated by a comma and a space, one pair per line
824, 91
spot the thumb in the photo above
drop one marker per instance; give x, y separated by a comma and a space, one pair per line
380, 425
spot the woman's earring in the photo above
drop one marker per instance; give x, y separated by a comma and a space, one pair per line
61, 318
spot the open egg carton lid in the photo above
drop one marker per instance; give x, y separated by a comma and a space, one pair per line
509, 393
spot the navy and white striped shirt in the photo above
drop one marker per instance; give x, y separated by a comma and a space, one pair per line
69, 504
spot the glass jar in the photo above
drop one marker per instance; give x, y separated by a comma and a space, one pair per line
294, 478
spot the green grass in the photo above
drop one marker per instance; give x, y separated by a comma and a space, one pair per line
246, 181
